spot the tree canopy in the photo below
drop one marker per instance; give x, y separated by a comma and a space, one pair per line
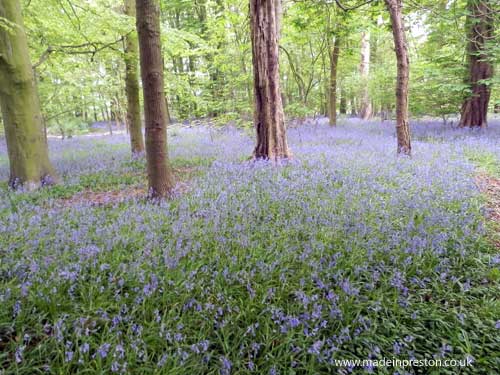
77, 48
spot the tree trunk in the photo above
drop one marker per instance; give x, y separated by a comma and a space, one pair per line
343, 101
269, 118
216, 78
28, 155
353, 106
365, 110
402, 122
480, 29
334, 62
169, 118
132, 85
120, 121
155, 110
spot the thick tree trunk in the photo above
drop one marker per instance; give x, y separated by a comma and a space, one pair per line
269, 118
402, 122
155, 110
365, 110
480, 29
132, 85
334, 62
28, 155
278, 9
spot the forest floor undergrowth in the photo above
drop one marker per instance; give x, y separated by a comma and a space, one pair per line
490, 187
346, 252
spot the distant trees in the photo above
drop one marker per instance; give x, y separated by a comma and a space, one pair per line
480, 25
27, 148
269, 119
401, 47
132, 85
160, 176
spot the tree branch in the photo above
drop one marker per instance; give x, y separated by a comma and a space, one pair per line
90, 48
345, 9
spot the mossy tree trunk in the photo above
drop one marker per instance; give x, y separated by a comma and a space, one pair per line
132, 85
28, 155
269, 118
403, 69
160, 176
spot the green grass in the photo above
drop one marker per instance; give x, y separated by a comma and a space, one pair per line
133, 175
486, 162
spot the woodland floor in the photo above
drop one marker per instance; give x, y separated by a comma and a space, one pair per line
490, 186
346, 252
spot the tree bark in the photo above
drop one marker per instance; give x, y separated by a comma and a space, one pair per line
365, 110
132, 86
216, 78
480, 24
155, 110
403, 69
269, 118
334, 62
30, 167
343, 101
353, 106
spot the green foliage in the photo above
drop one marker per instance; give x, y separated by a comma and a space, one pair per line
78, 57
68, 126
486, 161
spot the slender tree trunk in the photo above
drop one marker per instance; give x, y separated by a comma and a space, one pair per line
365, 110
216, 78
169, 118
132, 85
269, 118
28, 155
119, 113
155, 109
334, 62
343, 101
402, 122
323, 110
480, 24
84, 109
353, 106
